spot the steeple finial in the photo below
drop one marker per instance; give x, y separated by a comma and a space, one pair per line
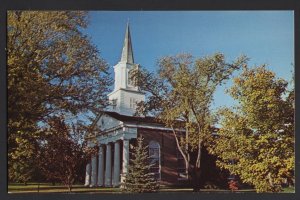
127, 53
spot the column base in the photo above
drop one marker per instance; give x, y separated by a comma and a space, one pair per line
123, 177
116, 185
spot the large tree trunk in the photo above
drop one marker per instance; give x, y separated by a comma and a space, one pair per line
70, 188
196, 179
197, 169
185, 156
70, 183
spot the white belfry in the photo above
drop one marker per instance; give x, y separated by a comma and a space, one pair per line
125, 94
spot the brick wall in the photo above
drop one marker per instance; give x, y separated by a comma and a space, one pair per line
168, 149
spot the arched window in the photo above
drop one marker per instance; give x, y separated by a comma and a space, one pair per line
154, 155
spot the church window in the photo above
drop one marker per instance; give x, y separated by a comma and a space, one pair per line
132, 103
154, 158
130, 77
114, 104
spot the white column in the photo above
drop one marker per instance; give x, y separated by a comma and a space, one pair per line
125, 156
87, 174
108, 166
117, 164
125, 162
101, 166
94, 171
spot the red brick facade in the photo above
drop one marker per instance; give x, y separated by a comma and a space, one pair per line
168, 154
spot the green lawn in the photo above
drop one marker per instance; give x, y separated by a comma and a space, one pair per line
49, 188
289, 190
46, 187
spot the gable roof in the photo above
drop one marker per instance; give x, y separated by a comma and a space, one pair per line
152, 121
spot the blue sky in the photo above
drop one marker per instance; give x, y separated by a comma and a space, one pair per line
266, 37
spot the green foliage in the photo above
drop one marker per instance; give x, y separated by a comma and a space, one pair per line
256, 138
21, 156
52, 68
139, 179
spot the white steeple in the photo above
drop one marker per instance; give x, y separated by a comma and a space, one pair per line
125, 94
127, 54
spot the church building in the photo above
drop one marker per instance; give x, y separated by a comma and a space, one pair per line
118, 128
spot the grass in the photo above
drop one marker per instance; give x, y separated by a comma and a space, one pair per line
49, 188
58, 188
289, 190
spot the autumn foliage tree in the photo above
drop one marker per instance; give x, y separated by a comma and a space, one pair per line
181, 95
256, 138
53, 68
61, 155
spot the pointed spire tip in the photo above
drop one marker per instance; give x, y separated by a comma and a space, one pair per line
127, 53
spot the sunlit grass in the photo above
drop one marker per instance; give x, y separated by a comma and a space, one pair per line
289, 190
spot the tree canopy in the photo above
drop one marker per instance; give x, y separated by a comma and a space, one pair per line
61, 157
181, 95
256, 138
53, 69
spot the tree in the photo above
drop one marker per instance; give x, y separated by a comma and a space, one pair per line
256, 138
180, 96
139, 178
52, 68
61, 155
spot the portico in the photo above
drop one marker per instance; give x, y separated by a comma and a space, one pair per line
112, 158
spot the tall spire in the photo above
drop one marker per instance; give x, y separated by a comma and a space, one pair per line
127, 53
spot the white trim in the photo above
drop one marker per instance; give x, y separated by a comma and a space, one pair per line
150, 127
115, 135
182, 179
120, 126
127, 90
